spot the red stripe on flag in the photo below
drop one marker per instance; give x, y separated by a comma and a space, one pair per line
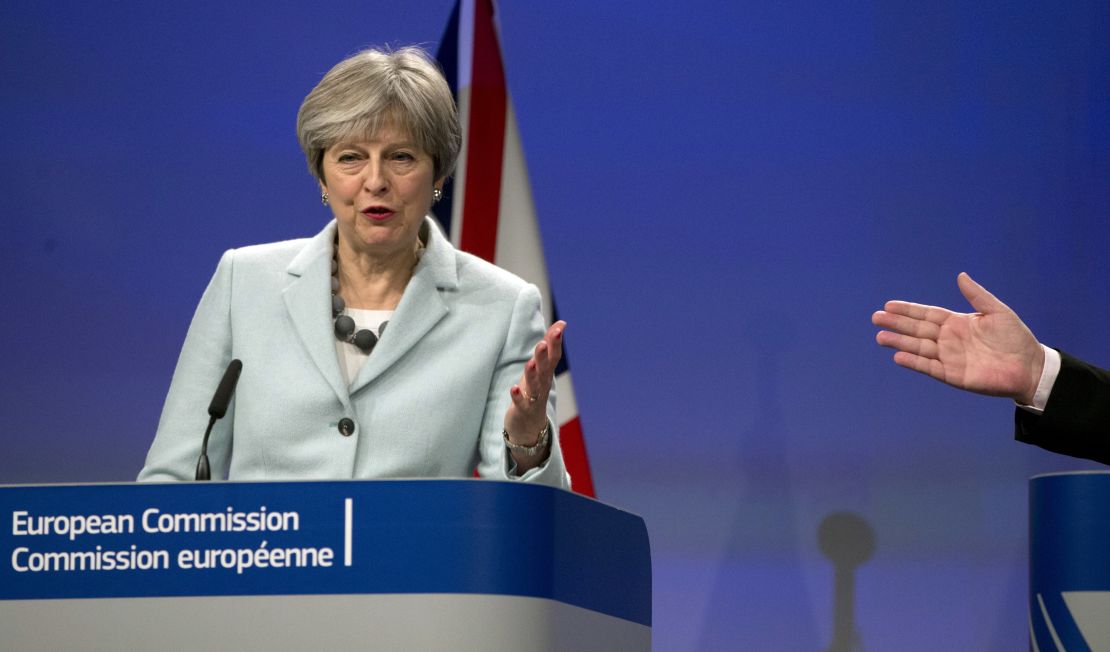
481, 201
574, 456
485, 138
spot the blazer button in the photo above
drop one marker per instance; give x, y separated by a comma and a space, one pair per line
346, 427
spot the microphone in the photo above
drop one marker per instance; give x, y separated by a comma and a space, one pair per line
216, 410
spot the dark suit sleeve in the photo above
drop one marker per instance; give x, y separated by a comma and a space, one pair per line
1076, 419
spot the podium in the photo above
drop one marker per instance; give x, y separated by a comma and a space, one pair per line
354, 565
1069, 561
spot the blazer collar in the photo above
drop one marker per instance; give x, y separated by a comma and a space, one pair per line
308, 301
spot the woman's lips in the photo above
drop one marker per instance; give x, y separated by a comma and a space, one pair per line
378, 213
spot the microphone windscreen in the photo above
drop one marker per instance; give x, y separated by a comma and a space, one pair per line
218, 407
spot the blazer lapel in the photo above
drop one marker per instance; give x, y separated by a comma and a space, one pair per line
421, 305
308, 300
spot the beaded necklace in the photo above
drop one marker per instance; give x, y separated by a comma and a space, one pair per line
344, 326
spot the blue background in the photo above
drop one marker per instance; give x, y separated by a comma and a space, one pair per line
726, 192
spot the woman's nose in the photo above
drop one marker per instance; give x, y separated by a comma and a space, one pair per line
377, 182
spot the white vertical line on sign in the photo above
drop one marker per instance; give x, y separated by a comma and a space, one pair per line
348, 508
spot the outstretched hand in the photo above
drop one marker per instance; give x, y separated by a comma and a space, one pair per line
990, 351
527, 415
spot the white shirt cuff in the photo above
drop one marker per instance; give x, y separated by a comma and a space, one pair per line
1048, 379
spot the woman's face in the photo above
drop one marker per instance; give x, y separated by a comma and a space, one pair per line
379, 191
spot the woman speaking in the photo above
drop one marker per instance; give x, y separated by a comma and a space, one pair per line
373, 349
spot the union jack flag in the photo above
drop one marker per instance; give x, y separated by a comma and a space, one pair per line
488, 208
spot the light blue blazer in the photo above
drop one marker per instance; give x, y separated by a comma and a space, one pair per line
429, 402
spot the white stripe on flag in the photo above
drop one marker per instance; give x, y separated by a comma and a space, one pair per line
519, 245
566, 408
466, 44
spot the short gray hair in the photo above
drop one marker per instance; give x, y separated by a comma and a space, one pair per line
375, 88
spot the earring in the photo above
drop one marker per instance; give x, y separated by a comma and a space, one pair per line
437, 195
324, 198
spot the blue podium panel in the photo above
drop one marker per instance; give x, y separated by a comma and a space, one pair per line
420, 564
1069, 561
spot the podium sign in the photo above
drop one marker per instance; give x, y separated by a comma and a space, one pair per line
1069, 561
421, 564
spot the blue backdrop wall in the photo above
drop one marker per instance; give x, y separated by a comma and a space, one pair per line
726, 192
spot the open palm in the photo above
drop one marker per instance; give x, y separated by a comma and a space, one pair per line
990, 351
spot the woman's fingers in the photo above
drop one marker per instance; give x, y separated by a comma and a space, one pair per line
534, 380
519, 397
539, 371
550, 349
541, 356
554, 339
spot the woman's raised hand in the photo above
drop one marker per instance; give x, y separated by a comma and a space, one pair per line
526, 418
